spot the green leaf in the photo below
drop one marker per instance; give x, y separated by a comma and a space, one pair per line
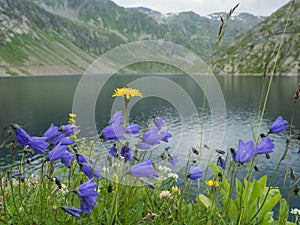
203, 200
283, 212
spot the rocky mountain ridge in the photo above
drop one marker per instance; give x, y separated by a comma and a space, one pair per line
65, 36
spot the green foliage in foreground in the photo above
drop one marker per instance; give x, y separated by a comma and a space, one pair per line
38, 201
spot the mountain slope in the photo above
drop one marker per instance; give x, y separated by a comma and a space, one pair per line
65, 36
257, 49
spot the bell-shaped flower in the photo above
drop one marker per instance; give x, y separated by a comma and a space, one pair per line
151, 137
87, 166
67, 141
69, 129
144, 169
87, 189
279, 125
67, 158
87, 204
221, 162
265, 146
113, 132
125, 152
132, 129
73, 211
51, 132
113, 151
117, 118
166, 136
159, 122
194, 173
91, 172
22, 136
39, 144
173, 160
245, 152
60, 152
82, 159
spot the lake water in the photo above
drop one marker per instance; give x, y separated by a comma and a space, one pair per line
36, 102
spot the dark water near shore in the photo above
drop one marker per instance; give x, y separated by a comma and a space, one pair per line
36, 102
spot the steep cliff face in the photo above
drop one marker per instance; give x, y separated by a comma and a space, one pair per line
65, 36
271, 44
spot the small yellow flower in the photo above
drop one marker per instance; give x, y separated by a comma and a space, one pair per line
176, 190
71, 117
212, 183
127, 92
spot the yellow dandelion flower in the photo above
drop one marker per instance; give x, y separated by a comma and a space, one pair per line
176, 190
127, 92
212, 183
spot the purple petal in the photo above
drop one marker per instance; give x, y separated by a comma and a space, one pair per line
73, 211
265, 146
117, 118
132, 129
39, 144
51, 132
159, 122
87, 189
22, 136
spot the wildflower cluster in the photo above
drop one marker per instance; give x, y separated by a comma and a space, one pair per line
246, 151
124, 159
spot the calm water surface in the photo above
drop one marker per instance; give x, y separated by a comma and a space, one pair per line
36, 102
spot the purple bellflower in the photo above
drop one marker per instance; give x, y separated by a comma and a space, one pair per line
114, 132
117, 118
194, 173
37, 143
51, 132
22, 136
151, 137
69, 128
159, 122
166, 136
221, 162
87, 189
173, 160
91, 172
143, 169
245, 152
132, 129
125, 152
87, 166
60, 152
113, 151
279, 125
265, 146
73, 211
87, 204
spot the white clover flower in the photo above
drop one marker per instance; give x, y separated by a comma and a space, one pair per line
165, 195
173, 175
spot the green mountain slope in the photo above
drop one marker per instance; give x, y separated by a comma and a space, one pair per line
257, 49
65, 36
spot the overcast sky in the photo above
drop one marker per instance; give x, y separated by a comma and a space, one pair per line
205, 7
